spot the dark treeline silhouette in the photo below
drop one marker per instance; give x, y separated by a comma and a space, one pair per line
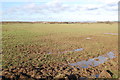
46, 22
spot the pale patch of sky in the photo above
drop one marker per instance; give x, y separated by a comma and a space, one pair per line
59, 10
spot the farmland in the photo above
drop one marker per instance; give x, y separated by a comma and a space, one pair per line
40, 51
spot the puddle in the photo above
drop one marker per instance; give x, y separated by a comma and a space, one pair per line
94, 61
112, 33
50, 53
76, 50
80, 49
111, 55
96, 76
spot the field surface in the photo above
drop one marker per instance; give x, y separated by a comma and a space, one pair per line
40, 51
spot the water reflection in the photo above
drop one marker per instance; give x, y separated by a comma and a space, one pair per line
77, 50
112, 33
80, 49
94, 61
96, 76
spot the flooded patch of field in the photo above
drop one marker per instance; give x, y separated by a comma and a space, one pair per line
76, 50
51, 50
95, 61
112, 33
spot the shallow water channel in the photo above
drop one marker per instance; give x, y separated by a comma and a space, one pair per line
80, 49
112, 33
94, 61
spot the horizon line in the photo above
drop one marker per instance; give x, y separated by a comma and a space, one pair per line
60, 21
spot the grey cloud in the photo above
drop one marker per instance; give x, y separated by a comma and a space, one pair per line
92, 8
112, 4
111, 8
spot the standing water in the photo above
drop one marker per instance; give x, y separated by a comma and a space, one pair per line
94, 61
112, 33
80, 49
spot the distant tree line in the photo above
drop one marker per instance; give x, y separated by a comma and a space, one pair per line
45, 22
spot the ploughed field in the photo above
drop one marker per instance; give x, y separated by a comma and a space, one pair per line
50, 51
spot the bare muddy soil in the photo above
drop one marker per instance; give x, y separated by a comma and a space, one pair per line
59, 71
55, 71
45, 51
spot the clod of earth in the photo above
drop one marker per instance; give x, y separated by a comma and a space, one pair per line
104, 74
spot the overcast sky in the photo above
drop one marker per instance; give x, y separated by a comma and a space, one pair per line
59, 10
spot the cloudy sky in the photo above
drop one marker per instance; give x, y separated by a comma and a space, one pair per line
59, 10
